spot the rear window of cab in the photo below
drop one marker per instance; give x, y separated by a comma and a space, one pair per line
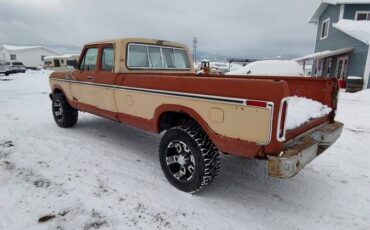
143, 56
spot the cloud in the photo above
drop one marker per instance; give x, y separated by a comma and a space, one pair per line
239, 28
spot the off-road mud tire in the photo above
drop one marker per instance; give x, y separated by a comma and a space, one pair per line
67, 116
206, 157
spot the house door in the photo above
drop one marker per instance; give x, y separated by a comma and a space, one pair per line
342, 66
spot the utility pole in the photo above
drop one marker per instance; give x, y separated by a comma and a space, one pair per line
195, 41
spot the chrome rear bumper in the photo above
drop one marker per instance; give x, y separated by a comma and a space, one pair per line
303, 149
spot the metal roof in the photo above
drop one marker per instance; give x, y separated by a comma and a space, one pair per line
324, 54
26, 48
324, 3
357, 29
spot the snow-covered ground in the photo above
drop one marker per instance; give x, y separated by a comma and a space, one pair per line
103, 175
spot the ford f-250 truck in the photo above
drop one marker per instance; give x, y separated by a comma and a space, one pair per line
152, 85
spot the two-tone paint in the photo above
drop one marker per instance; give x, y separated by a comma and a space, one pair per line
240, 115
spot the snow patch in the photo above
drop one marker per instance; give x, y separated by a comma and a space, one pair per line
301, 110
354, 78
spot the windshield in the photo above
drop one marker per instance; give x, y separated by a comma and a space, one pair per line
17, 63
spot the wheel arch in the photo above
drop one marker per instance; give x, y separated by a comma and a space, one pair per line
168, 116
58, 89
55, 90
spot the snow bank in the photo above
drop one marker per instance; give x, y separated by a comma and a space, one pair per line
235, 66
270, 68
301, 110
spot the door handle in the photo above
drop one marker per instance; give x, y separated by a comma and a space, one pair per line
89, 77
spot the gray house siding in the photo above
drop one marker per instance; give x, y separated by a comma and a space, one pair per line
350, 10
332, 12
357, 61
337, 40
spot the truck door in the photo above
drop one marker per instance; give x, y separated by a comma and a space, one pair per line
105, 79
83, 89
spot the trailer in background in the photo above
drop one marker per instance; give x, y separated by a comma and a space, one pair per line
64, 62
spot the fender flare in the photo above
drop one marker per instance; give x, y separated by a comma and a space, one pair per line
58, 87
181, 109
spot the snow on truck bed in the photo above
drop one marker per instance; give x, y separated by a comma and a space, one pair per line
270, 68
301, 110
103, 175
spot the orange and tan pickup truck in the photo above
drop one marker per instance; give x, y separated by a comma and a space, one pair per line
152, 85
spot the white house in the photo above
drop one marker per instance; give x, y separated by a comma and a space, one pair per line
31, 56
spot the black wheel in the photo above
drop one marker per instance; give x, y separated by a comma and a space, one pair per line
64, 115
189, 159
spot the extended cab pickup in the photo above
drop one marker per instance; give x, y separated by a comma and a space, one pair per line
152, 85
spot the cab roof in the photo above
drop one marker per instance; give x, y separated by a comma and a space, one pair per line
138, 40
121, 49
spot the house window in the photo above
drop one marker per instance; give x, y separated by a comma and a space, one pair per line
13, 57
362, 16
325, 29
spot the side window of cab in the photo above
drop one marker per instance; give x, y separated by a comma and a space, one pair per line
88, 62
107, 59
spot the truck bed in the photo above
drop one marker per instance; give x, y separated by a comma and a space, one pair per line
239, 89
271, 89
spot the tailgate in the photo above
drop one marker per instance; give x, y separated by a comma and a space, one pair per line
321, 90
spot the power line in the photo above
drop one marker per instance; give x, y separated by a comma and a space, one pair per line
195, 41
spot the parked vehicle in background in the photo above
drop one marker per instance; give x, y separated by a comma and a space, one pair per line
270, 68
16, 67
64, 62
219, 67
213, 68
150, 84
204, 67
4, 68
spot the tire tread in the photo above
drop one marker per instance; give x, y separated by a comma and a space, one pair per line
210, 154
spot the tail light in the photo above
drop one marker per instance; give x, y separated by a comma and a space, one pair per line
282, 119
257, 103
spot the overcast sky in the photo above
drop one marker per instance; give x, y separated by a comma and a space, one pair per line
234, 28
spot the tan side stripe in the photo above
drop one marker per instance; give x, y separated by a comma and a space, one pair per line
230, 100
